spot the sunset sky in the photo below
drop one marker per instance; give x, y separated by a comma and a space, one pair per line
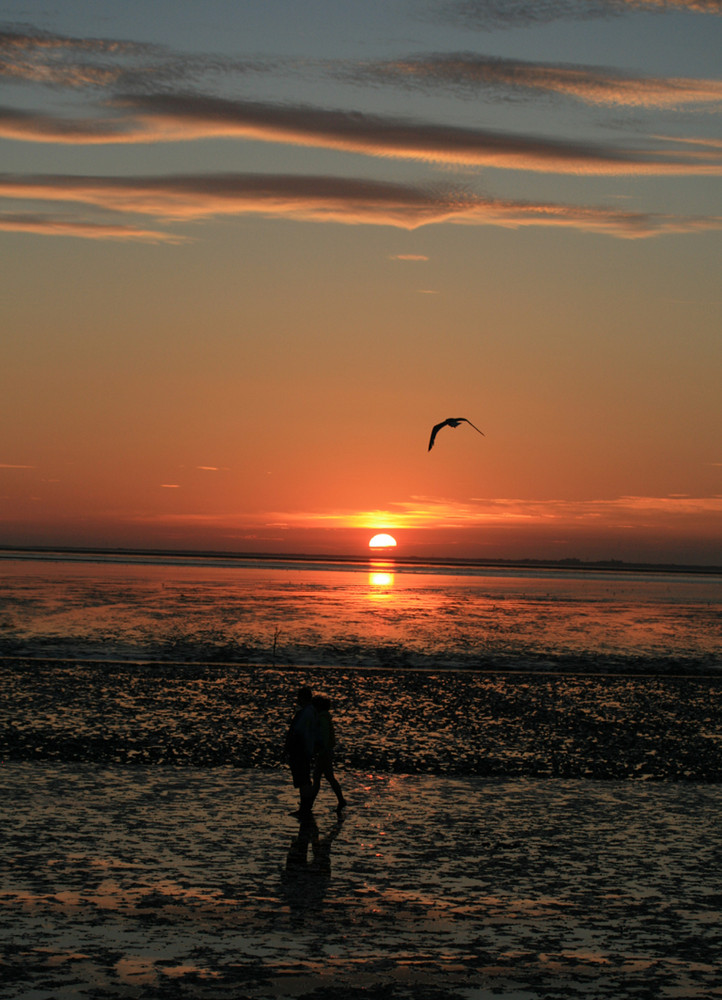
253, 251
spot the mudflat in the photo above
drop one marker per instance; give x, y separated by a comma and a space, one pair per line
446, 722
156, 881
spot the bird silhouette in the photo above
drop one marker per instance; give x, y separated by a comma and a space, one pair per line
451, 422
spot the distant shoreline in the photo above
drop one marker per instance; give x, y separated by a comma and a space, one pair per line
568, 564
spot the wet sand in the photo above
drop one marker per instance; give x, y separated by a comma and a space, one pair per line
144, 882
450, 723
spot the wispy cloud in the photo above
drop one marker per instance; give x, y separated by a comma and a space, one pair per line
618, 509
31, 126
34, 56
659, 515
184, 197
434, 512
518, 13
31, 55
10, 465
408, 256
332, 199
471, 73
696, 6
132, 87
45, 225
177, 117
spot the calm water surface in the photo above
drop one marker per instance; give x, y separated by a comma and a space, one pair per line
377, 614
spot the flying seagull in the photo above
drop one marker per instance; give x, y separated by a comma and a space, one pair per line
452, 422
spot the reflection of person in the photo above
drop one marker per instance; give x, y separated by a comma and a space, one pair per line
300, 745
304, 883
326, 741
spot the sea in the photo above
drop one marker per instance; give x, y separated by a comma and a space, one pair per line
603, 671
375, 613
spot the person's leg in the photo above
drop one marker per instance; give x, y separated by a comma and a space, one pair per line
301, 770
315, 788
306, 788
331, 779
306, 791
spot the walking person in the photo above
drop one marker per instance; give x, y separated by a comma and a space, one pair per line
326, 740
300, 746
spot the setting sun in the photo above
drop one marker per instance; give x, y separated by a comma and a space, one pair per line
382, 542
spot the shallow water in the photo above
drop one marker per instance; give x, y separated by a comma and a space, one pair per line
360, 614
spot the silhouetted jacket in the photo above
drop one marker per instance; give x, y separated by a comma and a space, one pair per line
303, 732
326, 734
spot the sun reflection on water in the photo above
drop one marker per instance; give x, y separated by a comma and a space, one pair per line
381, 577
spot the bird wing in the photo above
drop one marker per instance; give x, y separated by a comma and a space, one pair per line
472, 425
434, 431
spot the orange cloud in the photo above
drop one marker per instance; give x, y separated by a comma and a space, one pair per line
32, 126
184, 117
30, 55
47, 226
331, 199
592, 85
515, 13
430, 512
171, 116
698, 6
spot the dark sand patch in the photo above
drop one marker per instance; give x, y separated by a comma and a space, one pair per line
144, 882
444, 722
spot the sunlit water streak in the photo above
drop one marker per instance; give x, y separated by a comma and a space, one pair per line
377, 614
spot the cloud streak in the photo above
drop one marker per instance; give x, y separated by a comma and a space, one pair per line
30, 126
32, 56
471, 73
59, 226
522, 13
177, 117
149, 111
434, 512
29, 55
331, 199
39, 57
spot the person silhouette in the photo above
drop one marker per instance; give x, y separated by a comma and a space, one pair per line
299, 747
326, 740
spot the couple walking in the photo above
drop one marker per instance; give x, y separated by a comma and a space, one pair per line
310, 742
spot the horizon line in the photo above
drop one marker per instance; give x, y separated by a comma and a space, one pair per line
567, 562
